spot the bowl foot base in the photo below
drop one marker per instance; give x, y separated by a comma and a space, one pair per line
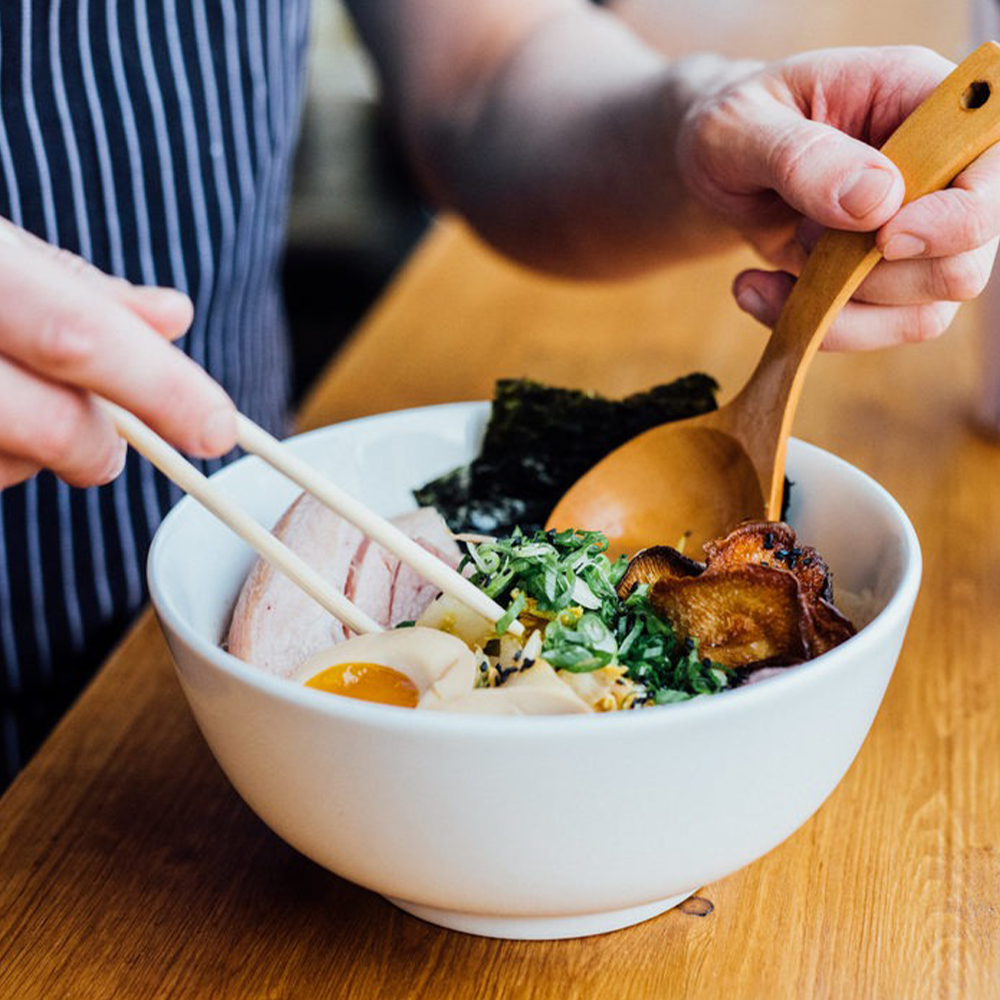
529, 928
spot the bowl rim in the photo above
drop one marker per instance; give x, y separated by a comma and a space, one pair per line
390, 717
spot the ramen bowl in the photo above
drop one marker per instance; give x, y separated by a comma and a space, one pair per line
541, 826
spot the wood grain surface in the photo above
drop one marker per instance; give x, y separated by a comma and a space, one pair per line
130, 869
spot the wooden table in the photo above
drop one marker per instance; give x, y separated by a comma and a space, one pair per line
129, 868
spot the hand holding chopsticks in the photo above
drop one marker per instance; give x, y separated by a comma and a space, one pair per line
256, 440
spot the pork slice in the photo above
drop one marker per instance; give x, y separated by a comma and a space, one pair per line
411, 593
426, 526
276, 625
369, 584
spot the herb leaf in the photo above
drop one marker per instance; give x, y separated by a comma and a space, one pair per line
588, 645
564, 583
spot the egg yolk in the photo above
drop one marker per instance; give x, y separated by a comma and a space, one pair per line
367, 682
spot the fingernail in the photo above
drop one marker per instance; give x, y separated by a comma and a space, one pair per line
117, 463
218, 432
865, 191
904, 245
751, 301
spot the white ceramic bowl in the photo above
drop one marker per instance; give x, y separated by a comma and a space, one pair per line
538, 827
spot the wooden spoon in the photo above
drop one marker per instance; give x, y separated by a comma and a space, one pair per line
700, 477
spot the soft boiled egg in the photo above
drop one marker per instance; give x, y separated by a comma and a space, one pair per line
367, 682
405, 667
425, 668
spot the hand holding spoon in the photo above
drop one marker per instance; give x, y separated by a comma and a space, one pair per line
700, 477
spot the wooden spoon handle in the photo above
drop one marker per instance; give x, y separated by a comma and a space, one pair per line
943, 135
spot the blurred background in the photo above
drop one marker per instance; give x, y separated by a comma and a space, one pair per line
356, 211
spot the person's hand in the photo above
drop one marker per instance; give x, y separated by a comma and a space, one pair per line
66, 330
792, 148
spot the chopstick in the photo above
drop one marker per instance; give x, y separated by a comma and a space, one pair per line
256, 440
174, 466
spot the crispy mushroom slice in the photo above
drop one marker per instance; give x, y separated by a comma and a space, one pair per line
750, 615
830, 627
658, 562
773, 544
759, 600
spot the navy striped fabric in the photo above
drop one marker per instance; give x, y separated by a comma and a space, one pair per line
154, 138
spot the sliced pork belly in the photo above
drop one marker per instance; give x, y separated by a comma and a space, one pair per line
370, 580
276, 626
410, 592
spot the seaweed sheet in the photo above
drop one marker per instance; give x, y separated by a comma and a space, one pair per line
541, 439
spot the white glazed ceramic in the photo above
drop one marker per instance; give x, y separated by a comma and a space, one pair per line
540, 827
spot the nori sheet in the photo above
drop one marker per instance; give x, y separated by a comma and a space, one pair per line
541, 439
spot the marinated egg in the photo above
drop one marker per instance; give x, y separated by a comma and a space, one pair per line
405, 667
367, 682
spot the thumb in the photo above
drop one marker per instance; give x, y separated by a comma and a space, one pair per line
819, 171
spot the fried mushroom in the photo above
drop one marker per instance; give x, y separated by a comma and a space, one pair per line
760, 599
658, 562
772, 544
750, 615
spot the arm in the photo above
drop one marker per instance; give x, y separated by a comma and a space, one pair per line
549, 125
574, 148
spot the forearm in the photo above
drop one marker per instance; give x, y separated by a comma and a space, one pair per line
554, 132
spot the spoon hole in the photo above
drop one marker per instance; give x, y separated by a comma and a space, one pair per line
976, 95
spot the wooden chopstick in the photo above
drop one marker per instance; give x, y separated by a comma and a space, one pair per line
256, 440
174, 466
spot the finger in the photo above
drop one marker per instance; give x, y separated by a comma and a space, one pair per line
913, 282
862, 327
868, 91
751, 141
42, 424
762, 293
58, 327
957, 278
859, 326
789, 130
14, 470
962, 217
167, 310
